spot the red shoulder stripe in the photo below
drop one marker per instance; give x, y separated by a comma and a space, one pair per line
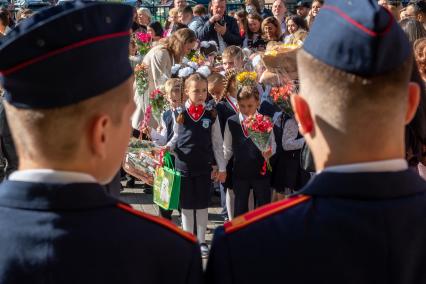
263, 212
163, 222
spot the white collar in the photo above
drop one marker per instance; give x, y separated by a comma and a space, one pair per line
394, 165
51, 176
188, 103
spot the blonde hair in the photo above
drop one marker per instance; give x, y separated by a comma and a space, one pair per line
55, 133
146, 12
233, 51
176, 42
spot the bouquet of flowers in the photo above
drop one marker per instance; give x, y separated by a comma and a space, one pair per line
143, 41
259, 129
246, 78
141, 77
158, 103
281, 96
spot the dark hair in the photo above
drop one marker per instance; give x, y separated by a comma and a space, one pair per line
413, 29
178, 26
242, 14
4, 18
299, 21
248, 92
419, 6
254, 16
319, 1
158, 29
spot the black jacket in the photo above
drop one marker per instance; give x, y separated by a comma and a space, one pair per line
206, 31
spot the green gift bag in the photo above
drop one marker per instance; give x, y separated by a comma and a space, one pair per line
167, 185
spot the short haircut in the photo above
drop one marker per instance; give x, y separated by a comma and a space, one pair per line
199, 10
55, 133
341, 98
233, 51
186, 11
248, 92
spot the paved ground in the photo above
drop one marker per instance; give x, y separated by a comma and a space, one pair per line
141, 201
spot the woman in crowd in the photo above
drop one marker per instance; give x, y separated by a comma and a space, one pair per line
144, 18
297, 30
253, 39
241, 18
315, 8
271, 29
159, 60
252, 6
156, 31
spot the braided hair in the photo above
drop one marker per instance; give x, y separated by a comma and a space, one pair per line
230, 77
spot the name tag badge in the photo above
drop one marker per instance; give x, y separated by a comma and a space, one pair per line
206, 123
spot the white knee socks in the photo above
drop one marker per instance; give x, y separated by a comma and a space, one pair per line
202, 219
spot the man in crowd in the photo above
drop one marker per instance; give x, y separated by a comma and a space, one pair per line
361, 219
219, 27
417, 10
279, 9
264, 12
180, 4
302, 9
57, 223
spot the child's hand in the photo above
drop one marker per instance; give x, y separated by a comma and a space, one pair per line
159, 128
267, 154
221, 177
166, 148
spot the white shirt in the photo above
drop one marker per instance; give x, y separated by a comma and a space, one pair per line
289, 141
394, 165
160, 138
217, 140
51, 176
227, 140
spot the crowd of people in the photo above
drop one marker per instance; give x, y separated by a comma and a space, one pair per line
339, 86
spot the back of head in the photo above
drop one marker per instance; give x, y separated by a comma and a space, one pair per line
355, 76
56, 93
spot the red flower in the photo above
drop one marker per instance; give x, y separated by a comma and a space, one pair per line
144, 37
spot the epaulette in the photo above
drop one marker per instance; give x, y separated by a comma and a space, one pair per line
263, 212
161, 221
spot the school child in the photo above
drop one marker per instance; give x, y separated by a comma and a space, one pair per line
164, 133
233, 58
247, 158
197, 139
215, 86
288, 175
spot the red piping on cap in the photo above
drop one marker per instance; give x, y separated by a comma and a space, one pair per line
62, 50
359, 25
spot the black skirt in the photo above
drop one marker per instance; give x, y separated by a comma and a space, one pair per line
287, 172
195, 192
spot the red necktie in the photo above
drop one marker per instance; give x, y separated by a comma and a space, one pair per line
196, 111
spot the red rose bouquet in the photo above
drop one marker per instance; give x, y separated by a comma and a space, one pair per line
158, 103
281, 97
259, 129
144, 42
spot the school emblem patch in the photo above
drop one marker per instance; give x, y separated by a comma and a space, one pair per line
206, 123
